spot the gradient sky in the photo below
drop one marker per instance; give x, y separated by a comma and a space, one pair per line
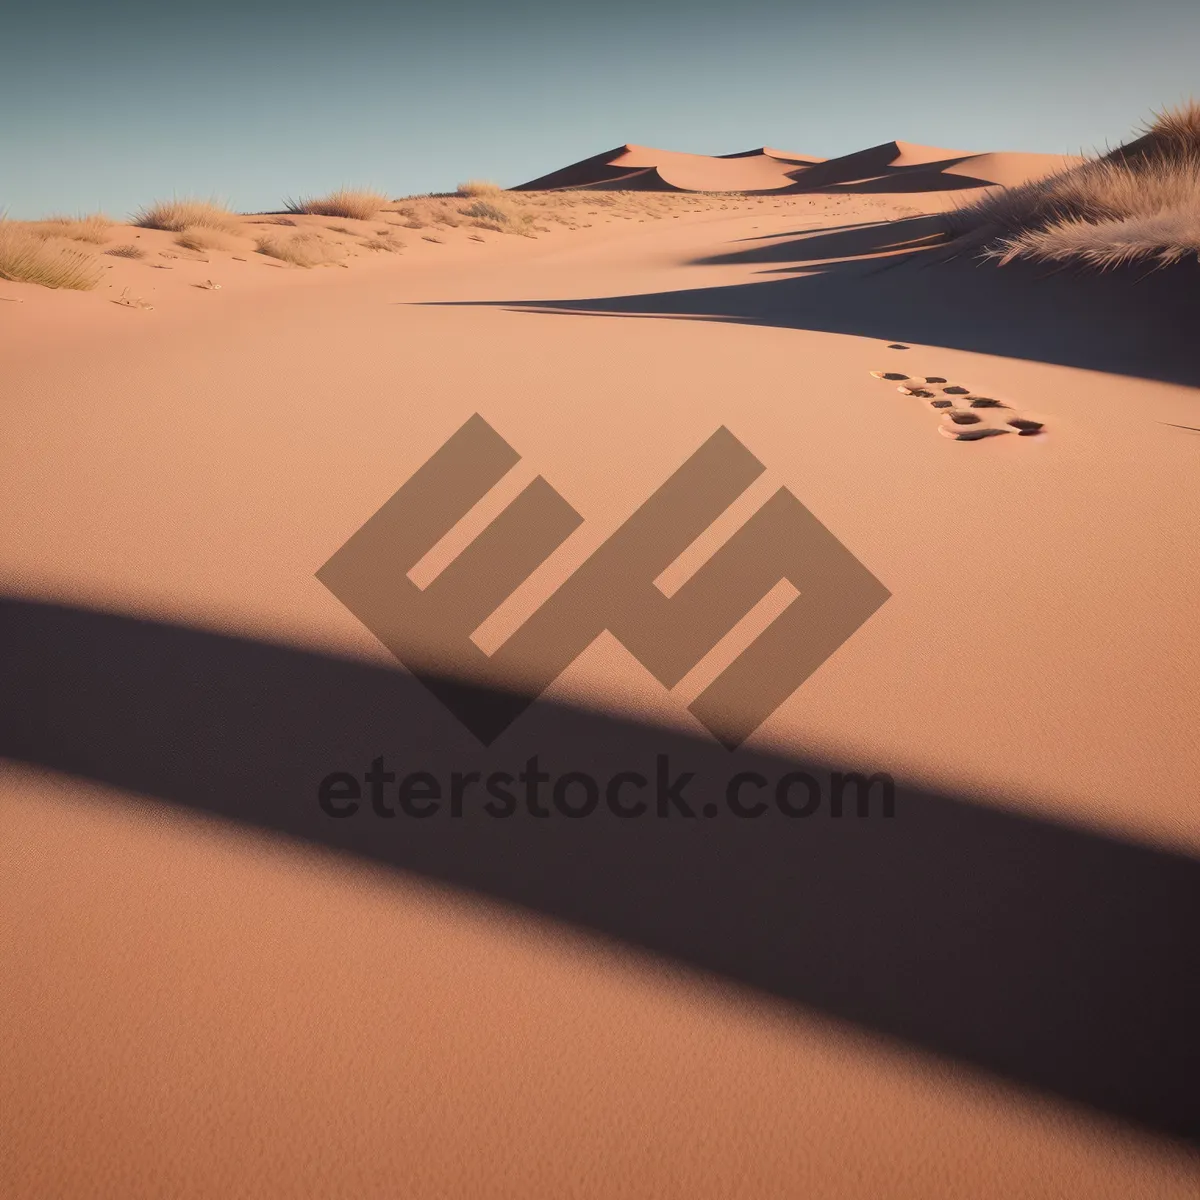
111, 105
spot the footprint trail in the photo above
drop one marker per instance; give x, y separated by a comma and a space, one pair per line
964, 415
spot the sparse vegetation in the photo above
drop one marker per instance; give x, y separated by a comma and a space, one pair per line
94, 228
479, 187
200, 239
357, 203
498, 217
178, 215
40, 252
1140, 203
301, 249
27, 258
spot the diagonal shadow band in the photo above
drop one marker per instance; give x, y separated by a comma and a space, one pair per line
1060, 959
1137, 321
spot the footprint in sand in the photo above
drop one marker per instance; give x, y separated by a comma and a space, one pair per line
967, 417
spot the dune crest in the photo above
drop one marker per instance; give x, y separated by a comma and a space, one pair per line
894, 166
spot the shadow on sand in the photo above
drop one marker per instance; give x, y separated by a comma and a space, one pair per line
1135, 321
1061, 959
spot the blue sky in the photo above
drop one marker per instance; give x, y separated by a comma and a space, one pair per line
112, 105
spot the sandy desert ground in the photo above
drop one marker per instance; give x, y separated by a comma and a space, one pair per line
213, 990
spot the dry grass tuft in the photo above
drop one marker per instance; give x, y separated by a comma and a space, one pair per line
200, 239
129, 250
384, 243
479, 187
498, 217
1176, 129
300, 249
94, 228
1141, 203
358, 203
27, 258
1164, 237
178, 215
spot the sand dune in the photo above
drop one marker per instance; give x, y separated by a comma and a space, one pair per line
645, 168
211, 990
889, 167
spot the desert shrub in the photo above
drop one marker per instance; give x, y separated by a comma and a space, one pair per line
357, 203
128, 250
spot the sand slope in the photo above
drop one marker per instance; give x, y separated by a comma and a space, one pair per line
201, 1002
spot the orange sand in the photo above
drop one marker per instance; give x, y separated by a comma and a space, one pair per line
189, 1009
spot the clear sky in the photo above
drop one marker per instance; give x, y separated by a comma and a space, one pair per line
109, 105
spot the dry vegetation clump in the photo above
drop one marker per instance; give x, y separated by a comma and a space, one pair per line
26, 257
499, 217
1140, 203
301, 249
94, 228
479, 187
178, 215
1172, 133
358, 203
128, 250
200, 239
387, 243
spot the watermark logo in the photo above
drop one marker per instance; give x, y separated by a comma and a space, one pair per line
429, 629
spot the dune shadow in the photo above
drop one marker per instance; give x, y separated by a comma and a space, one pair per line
1060, 959
905, 180
872, 172
920, 289
844, 242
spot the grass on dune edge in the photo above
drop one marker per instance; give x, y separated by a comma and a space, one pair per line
1139, 203
27, 257
178, 215
356, 203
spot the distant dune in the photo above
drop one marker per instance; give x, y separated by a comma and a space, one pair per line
890, 167
643, 168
